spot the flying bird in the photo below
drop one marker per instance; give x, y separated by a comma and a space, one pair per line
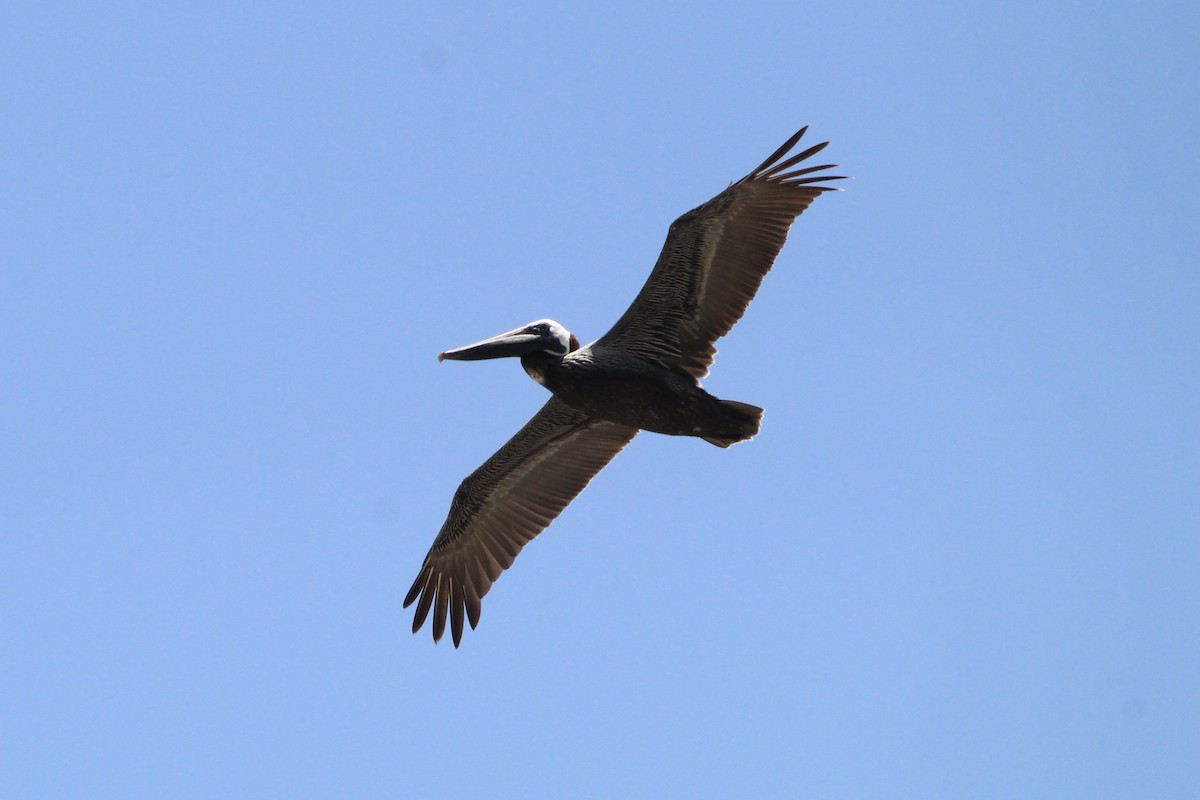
644, 374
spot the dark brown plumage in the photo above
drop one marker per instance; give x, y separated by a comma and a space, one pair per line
504, 504
714, 260
643, 374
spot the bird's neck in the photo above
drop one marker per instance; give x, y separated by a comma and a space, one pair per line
541, 366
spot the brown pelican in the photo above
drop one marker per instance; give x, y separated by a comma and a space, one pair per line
642, 375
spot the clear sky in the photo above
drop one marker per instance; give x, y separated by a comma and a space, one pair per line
961, 560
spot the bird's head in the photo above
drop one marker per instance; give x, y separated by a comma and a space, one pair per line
545, 336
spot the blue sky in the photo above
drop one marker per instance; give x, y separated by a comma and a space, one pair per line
961, 559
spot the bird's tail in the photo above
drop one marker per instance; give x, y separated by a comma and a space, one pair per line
740, 421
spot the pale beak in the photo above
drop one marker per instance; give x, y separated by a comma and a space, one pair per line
513, 343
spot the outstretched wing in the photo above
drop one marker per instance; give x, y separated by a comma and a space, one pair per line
714, 260
504, 504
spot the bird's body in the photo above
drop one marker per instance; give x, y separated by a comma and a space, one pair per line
644, 374
610, 385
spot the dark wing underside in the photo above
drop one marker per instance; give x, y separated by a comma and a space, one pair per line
714, 260
504, 504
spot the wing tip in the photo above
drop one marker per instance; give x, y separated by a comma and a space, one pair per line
781, 151
449, 599
776, 166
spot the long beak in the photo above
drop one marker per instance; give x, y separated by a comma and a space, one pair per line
513, 343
